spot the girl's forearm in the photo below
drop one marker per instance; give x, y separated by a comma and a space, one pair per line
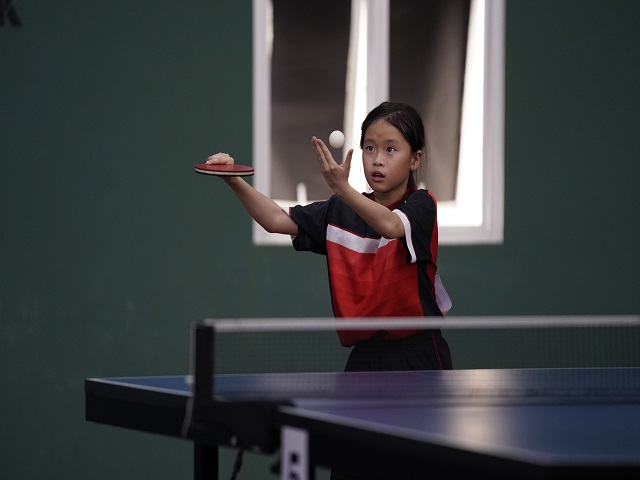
261, 208
377, 216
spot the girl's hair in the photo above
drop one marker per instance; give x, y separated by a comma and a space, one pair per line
406, 119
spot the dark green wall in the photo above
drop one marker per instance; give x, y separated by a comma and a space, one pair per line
111, 246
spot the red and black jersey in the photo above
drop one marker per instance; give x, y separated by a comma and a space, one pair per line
371, 276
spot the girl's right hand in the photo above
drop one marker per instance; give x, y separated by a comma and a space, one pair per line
220, 159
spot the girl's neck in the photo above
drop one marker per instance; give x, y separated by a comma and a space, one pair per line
386, 201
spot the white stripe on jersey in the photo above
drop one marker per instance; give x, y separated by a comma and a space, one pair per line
355, 242
407, 234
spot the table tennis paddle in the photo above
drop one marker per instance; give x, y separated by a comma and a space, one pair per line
220, 169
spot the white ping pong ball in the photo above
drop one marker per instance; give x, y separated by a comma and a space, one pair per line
336, 139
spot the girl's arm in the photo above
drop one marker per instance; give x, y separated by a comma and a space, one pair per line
261, 208
377, 216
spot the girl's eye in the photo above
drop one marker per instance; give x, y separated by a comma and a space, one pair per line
390, 149
369, 148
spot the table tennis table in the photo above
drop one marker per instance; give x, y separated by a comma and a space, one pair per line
485, 423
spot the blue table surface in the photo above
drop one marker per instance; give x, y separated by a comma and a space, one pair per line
550, 416
568, 384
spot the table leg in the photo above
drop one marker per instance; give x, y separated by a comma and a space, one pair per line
205, 461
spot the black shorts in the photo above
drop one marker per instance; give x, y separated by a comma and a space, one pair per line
427, 350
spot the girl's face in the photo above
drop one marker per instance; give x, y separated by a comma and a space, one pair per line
388, 161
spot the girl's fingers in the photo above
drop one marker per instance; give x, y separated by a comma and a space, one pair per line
220, 158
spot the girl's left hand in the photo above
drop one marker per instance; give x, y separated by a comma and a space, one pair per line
336, 175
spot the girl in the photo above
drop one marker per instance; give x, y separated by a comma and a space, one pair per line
381, 247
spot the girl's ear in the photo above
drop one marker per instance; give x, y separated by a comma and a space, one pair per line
415, 160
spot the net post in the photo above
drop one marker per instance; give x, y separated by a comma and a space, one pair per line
203, 365
205, 456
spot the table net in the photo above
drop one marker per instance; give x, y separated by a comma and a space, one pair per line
263, 345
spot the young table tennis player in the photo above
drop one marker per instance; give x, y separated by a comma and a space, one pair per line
381, 247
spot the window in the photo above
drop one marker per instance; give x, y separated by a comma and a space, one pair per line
322, 69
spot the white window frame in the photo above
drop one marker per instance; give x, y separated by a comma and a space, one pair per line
476, 216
